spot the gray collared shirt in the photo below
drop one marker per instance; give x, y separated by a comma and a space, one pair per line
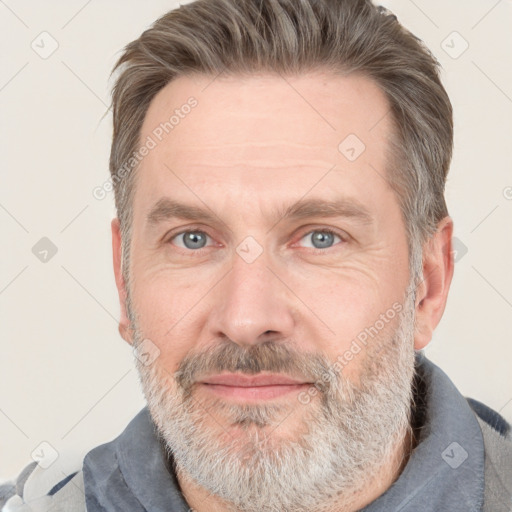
445, 471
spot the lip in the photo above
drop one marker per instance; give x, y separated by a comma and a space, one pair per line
251, 387
247, 381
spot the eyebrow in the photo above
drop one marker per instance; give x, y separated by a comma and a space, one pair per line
341, 207
167, 209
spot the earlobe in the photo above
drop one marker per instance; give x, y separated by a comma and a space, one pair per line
124, 323
432, 291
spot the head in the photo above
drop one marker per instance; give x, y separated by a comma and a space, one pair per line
279, 172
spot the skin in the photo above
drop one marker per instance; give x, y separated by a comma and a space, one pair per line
250, 148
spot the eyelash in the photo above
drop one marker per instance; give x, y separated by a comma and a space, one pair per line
343, 239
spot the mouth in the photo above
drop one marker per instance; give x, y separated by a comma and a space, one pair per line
251, 388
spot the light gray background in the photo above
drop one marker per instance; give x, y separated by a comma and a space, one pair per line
67, 378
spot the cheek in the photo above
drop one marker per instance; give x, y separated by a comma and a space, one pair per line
169, 315
345, 305
359, 310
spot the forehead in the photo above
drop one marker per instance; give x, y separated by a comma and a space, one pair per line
248, 129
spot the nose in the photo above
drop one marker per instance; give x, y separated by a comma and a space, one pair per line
251, 305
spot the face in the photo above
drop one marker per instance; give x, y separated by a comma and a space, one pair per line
269, 281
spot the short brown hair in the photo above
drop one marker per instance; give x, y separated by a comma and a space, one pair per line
292, 37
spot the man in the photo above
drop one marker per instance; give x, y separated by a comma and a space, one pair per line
282, 253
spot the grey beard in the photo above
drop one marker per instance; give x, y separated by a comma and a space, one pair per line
347, 433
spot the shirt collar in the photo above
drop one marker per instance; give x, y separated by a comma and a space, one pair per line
446, 469
130, 473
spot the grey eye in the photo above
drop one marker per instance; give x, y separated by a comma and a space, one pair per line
191, 240
320, 239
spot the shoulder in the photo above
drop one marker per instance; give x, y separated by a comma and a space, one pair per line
496, 430
38, 489
497, 437
492, 418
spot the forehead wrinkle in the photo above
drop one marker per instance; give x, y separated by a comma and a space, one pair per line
251, 154
254, 165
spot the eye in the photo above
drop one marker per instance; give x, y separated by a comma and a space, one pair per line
190, 239
321, 239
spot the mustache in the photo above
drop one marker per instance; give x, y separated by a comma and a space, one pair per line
269, 356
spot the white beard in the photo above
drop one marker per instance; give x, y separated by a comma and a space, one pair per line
347, 434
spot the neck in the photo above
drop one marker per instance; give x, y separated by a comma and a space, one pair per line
386, 476
200, 500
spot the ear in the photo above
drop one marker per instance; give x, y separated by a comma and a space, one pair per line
124, 322
432, 291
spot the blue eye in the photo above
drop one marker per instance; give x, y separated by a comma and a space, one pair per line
321, 238
190, 239
195, 240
